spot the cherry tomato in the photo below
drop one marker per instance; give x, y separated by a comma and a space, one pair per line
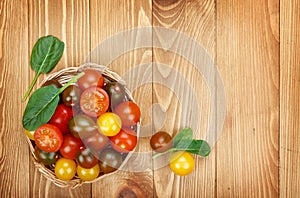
48, 138
161, 141
86, 159
65, 169
45, 157
97, 141
109, 124
116, 92
94, 101
129, 113
88, 174
71, 96
30, 134
110, 160
182, 163
91, 78
70, 147
52, 82
82, 126
124, 141
61, 117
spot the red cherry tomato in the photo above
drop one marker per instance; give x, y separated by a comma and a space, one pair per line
129, 113
94, 101
61, 118
90, 78
124, 141
97, 141
70, 147
48, 138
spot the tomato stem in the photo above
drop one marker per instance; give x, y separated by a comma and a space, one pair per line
31, 86
160, 154
74, 79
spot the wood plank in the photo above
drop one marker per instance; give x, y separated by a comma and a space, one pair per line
69, 21
247, 58
14, 153
289, 99
196, 19
108, 18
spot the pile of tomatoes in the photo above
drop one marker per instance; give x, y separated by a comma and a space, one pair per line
92, 130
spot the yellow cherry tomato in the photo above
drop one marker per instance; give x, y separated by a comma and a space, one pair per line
65, 169
88, 174
30, 134
182, 163
109, 124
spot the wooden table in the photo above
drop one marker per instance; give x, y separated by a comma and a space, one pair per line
255, 45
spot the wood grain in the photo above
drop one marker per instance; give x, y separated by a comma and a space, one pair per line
14, 154
289, 99
69, 21
247, 57
196, 19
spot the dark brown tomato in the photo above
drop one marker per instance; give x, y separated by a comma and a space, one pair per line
71, 96
161, 141
86, 159
52, 82
82, 126
116, 92
110, 160
96, 141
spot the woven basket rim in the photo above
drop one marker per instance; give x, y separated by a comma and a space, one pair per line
64, 76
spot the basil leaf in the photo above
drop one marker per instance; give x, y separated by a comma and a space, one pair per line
183, 138
40, 108
199, 147
45, 54
42, 104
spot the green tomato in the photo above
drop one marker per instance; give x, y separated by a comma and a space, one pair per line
45, 157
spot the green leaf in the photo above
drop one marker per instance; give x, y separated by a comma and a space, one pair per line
42, 104
184, 141
46, 53
199, 147
183, 138
40, 108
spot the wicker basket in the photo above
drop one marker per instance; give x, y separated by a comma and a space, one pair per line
63, 76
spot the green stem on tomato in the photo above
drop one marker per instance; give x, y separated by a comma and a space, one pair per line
160, 154
31, 86
74, 79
